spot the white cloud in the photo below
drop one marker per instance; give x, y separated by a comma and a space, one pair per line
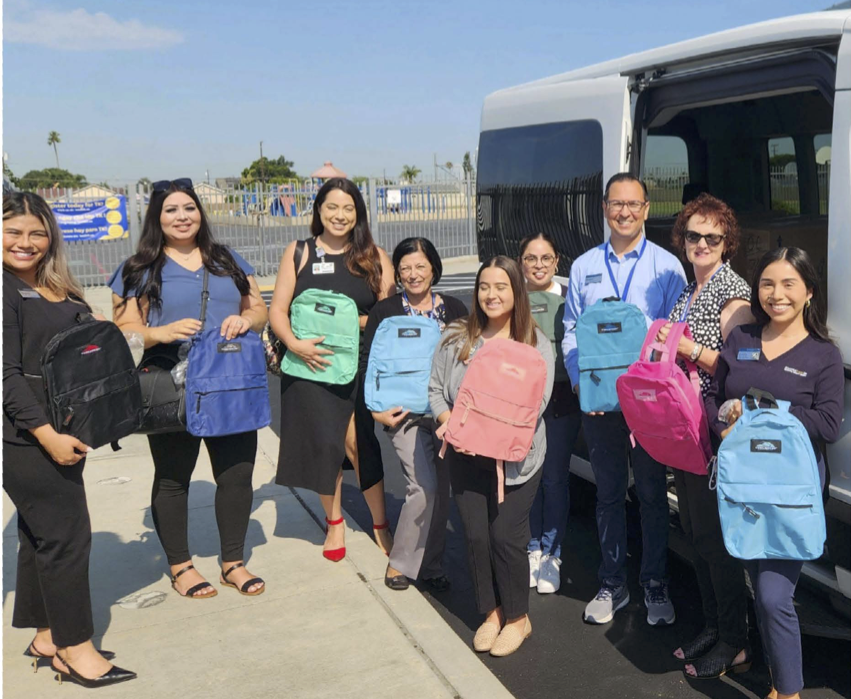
80, 30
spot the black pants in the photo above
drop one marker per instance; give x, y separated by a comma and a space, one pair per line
496, 533
175, 456
55, 536
720, 577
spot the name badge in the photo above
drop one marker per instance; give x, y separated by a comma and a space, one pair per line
29, 293
748, 355
593, 279
796, 372
323, 268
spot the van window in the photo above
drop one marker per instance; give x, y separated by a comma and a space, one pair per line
541, 178
783, 173
665, 174
822, 145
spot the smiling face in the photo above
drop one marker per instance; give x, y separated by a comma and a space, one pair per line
180, 218
25, 244
624, 223
494, 294
338, 214
415, 273
539, 262
701, 254
782, 292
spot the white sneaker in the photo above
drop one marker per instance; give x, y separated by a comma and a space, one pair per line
534, 567
549, 578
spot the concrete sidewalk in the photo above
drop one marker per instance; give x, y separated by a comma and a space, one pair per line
320, 630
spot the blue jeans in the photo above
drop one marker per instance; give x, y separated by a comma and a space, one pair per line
607, 437
550, 509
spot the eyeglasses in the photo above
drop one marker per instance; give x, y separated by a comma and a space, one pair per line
713, 240
616, 205
545, 260
165, 185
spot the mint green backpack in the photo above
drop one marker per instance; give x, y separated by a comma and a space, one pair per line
314, 313
548, 312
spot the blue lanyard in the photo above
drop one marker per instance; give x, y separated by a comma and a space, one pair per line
691, 295
428, 314
631, 272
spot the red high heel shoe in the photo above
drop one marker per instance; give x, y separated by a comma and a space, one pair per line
378, 527
335, 555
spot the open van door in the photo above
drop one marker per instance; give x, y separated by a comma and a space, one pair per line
545, 150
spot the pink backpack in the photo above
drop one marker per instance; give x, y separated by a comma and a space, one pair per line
663, 407
498, 404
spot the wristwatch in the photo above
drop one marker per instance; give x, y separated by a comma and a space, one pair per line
695, 353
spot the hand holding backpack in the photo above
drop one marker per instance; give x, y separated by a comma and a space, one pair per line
496, 411
663, 407
767, 481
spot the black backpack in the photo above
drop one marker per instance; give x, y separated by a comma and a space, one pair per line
91, 383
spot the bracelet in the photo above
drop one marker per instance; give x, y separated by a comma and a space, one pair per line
695, 353
699, 353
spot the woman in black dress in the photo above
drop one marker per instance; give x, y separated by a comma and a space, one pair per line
323, 425
42, 469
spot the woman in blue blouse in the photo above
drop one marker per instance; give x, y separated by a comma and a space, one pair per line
164, 279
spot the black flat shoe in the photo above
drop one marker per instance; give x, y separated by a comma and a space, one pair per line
114, 676
36, 655
439, 584
397, 582
719, 662
700, 645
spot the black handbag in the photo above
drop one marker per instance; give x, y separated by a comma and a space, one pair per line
163, 402
273, 346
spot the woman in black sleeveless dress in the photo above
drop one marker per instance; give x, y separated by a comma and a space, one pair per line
325, 426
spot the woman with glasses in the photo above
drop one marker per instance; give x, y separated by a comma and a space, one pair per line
157, 292
420, 536
562, 419
706, 234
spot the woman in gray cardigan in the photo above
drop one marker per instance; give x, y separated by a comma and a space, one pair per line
496, 534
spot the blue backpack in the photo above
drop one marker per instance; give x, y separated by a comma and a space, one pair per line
400, 364
609, 337
767, 481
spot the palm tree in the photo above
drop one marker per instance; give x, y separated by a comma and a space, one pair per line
410, 172
52, 140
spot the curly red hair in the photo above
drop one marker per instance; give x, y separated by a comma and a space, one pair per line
714, 210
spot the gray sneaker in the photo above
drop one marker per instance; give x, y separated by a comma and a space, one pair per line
660, 610
601, 609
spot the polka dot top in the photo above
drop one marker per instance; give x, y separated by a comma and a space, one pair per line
704, 313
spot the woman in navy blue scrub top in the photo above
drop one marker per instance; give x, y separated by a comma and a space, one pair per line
164, 279
789, 353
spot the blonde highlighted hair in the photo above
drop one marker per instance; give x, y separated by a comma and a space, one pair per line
53, 272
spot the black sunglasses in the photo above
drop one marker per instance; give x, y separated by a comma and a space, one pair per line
713, 240
165, 185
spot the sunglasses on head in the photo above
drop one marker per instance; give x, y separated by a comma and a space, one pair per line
165, 185
713, 240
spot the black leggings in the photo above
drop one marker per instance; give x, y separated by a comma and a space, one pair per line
175, 456
55, 536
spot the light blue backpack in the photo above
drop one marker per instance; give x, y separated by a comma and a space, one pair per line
400, 364
609, 337
767, 481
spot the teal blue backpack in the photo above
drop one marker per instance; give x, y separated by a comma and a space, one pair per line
768, 487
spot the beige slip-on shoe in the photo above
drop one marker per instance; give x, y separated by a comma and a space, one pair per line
510, 639
485, 636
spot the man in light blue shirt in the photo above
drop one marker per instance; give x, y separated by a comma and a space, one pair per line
652, 279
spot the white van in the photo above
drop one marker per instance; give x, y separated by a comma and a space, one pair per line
759, 116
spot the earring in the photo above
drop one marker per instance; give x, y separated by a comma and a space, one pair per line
808, 303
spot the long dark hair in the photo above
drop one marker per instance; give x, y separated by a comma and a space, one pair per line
814, 313
522, 324
143, 272
362, 258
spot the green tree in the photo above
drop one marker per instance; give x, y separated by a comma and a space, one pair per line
144, 181
267, 170
410, 172
359, 180
781, 160
51, 177
7, 172
467, 165
52, 140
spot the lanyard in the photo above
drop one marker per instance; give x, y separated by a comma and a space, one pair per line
428, 314
691, 295
631, 272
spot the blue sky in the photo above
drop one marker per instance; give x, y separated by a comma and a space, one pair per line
165, 89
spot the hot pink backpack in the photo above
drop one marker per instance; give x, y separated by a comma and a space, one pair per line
663, 407
498, 404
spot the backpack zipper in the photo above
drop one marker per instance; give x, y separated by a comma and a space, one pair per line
596, 379
232, 390
394, 373
753, 513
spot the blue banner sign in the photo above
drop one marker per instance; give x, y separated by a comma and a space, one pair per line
99, 219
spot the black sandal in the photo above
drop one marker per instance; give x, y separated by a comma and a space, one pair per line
36, 655
700, 645
719, 661
190, 593
243, 590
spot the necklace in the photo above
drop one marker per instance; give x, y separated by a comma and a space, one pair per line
171, 252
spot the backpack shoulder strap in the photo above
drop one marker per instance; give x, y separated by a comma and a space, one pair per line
298, 257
